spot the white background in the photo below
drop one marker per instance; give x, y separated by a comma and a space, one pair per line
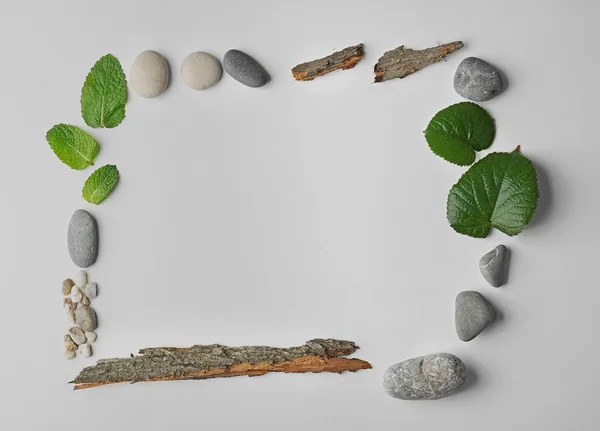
299, 210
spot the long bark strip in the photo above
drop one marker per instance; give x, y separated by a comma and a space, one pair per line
401, 62
344, 59
210, 361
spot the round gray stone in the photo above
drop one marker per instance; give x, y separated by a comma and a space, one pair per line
492, 266
243, 68
82, 239
200, 70
85, 318
149, 75
477, 80
425, 378
473, 313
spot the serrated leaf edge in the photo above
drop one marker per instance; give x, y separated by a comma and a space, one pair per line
90, 162
88, 179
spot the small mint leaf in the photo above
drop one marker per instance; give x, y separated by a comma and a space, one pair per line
100, 184
72, 146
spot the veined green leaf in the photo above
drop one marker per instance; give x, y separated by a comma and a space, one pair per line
100, 184
72, 146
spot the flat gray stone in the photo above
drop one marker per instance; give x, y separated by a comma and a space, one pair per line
492, 266
83, 239
477, 80
85, 318
425, 378
244, 69
473, 313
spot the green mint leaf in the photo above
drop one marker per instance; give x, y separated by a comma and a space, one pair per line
104, 94
73, 146
500, 190
456, 132
100, 184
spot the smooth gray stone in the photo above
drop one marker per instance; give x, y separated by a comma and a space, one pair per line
85, 318
477, 80
492, 266
473, 313
83, 239
243, 68
425, 378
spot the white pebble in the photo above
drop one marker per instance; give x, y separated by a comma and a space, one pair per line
200, 70
85, 350
70, 317
75, 294
80, 278
77, 335
91, 290
91, 337
69, 354
149, 75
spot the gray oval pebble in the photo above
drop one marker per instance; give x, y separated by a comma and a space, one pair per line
425, 378
83, 239
477, 80
85, 318
149, 75
244, 69
473, 313
200, 70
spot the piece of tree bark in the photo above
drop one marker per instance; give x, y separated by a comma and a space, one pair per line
344, 59
209, 361
401, 62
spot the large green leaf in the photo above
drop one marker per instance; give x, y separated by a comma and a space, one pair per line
104, 94
100, 184
456, 132
72, 146
500, 191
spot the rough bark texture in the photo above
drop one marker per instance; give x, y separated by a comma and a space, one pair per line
401, 62
204, 362
344, 59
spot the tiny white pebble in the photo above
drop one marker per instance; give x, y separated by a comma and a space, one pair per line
80, 278
90, 336
69, 355
70, 317
91, 290
85, 350
84, 300
75, 294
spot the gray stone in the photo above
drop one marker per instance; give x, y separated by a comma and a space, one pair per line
425, 378
149, 75
473, 313
83, 239
85, 318
477, 80
492, 266
91, 290
243, 68
200, 70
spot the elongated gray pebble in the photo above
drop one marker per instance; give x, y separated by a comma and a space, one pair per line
425, 378
85, 318
149, 75
244, 69
91, 290
82, 239
492, 266
200, 70
477, 80
473, 313
77, 335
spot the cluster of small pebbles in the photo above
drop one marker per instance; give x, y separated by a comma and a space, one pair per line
442, 374
77, 293
149, 76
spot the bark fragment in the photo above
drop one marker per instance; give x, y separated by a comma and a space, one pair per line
210, 361
401, 62
344, 59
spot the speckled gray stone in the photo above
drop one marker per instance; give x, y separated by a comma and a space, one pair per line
83, 239
492, 266
244, 69
425, 378
85, 318
473, 313
477, 80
